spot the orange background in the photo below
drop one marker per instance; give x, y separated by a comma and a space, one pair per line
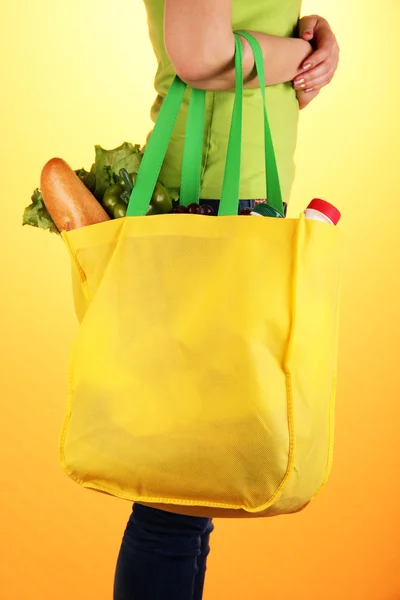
78, 73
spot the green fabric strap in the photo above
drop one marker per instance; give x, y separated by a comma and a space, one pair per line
192, 160
230, 187
274, 194
156, 149
193, 149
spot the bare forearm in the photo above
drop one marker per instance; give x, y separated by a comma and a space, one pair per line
200, 43
282, 58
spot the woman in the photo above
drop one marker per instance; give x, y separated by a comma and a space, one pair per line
163, 554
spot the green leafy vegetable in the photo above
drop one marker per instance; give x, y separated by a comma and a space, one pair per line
109, 162
88, 179
37, 215
111, 175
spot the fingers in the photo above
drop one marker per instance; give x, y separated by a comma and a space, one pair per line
307, 26
315, 79
316, 58
326, 46
319, 68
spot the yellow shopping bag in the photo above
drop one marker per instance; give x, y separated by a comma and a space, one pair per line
202, 378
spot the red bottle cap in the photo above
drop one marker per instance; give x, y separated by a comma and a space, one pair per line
326, 209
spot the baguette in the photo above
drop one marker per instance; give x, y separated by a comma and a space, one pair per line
70, 204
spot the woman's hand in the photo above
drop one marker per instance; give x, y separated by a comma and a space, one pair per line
304, 98
319, 68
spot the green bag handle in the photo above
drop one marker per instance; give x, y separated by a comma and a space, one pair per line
273, 187
156, 150
192, 163
231, 184
228, 204
193, 149
191, 167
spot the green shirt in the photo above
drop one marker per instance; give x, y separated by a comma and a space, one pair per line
276, 17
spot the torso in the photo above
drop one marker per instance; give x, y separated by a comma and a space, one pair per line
276, 17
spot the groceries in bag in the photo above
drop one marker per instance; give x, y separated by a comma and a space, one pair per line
195, 209
262, 209
317, 210
68, 201
265, 210
321, 210
105, 184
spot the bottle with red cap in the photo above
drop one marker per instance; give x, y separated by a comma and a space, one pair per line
321, 210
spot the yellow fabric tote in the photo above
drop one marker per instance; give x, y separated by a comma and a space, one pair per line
202, 378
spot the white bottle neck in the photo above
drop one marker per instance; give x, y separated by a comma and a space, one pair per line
316, 215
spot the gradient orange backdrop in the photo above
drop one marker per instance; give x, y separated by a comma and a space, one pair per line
78, 73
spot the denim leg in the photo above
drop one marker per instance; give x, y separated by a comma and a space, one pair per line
162, 556
202, 562
215, 204
242, 204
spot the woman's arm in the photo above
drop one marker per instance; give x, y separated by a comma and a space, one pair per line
200, 44
322, 63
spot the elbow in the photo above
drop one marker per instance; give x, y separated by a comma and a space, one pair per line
194, 64
190, 73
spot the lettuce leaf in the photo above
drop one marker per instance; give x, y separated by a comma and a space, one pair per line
109, 162
87, 178
37, 215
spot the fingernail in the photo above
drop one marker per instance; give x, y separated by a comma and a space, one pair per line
309, 90
300, 83
308, 32
307, 66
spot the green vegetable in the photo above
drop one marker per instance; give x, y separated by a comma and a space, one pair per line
127, 156
151, 211
113, 178
89, 179
119, 211
125, 196
37, 215
126, 180
173, 194
161, 200
112, 197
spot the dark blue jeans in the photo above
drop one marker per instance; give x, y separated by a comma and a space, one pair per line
215, 204
242, 204
163, 556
